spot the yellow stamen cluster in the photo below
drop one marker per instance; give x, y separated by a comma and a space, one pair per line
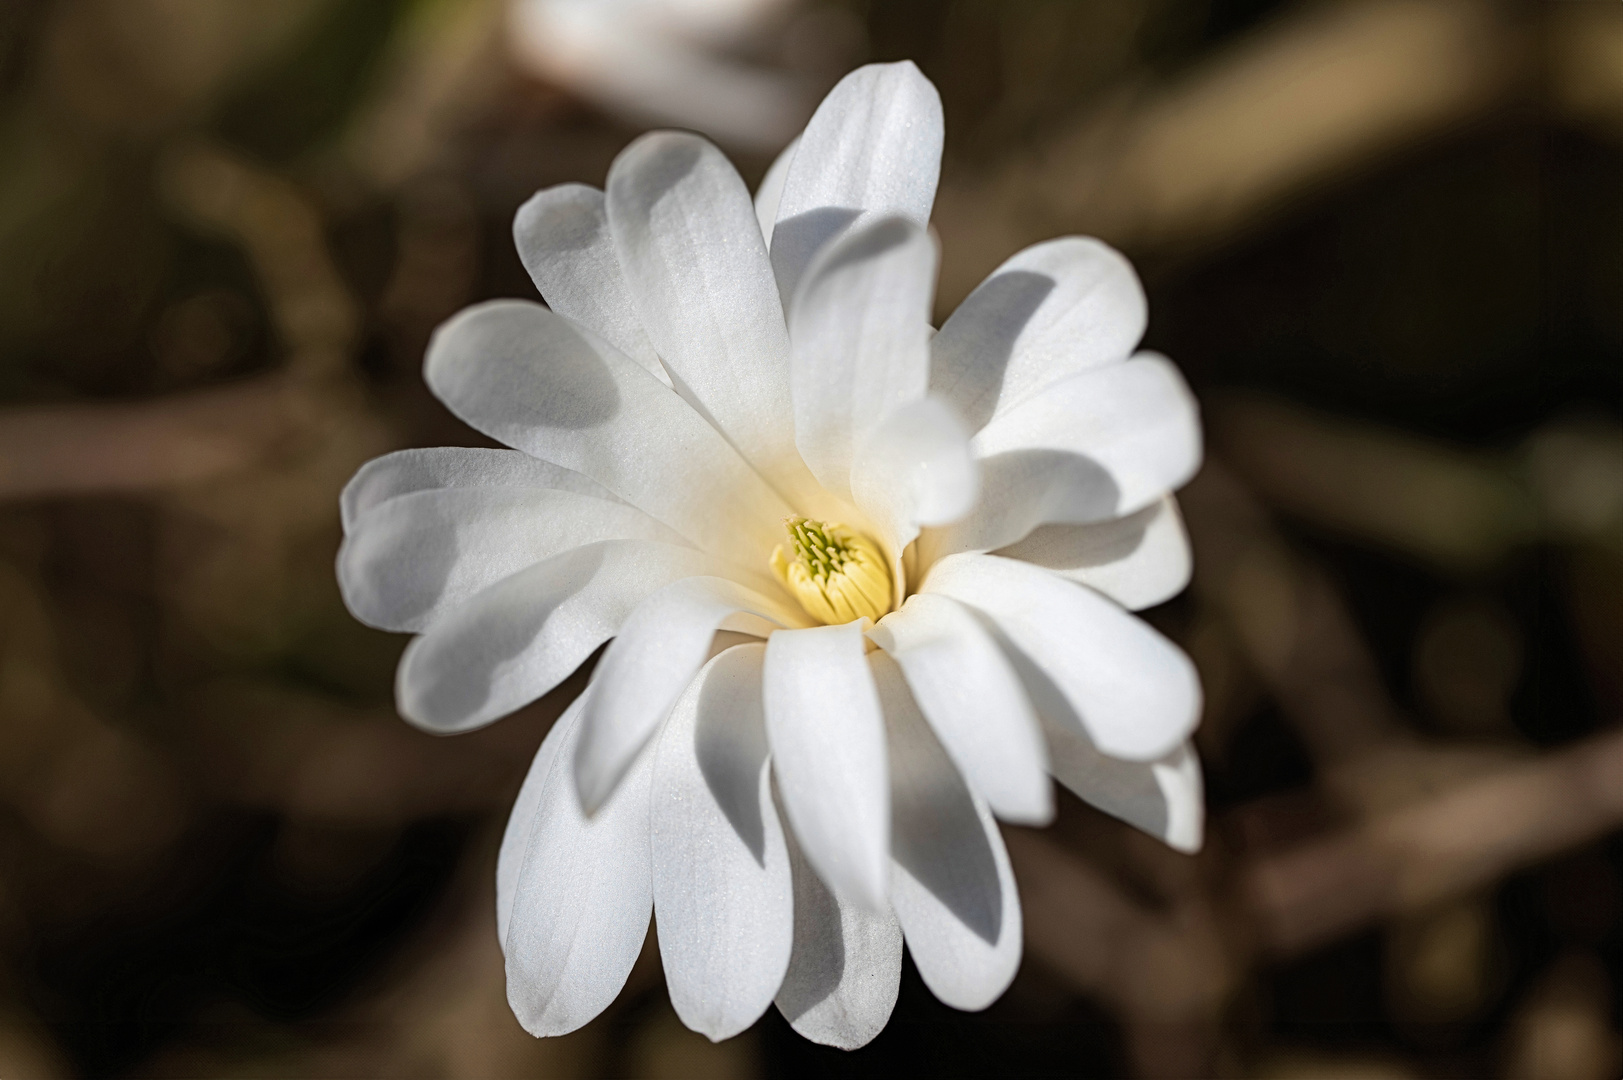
836, 573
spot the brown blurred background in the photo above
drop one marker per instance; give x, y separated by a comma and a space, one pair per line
1383, 238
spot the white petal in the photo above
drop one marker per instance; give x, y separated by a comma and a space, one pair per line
846, 967
697, 268
525, 634
952, 887
828, 752
562, 236
859, 341
516, 837
659, 648
974, 701
770, 193
1086, 663
1096, 446
406, 471
414, 557
1138, 561
532, 379
1165, 798
872, 148
582, 902
915, 469
1049, 312
723, 900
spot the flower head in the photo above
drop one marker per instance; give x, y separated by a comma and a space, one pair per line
735, 417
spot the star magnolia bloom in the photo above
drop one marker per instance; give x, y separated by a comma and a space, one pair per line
924, 547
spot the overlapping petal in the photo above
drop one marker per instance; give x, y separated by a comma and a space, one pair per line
562, 236
770, 193
521, 820
915, 469
859, 341
828, 752
1164, 797
974, 701
416, 556
582, 898
845, 967
1050, 311
1098, 445
405, 471
1085, 662
872, 149
537, 382
656, 653
952, 888
519, 638
723, 899
697, 268
1138, 561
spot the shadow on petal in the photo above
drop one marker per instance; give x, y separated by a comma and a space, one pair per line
979, 338
1023, 489
802, 236
507, 637
936, 834
730, 744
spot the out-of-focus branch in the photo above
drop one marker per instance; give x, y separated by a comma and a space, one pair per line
196, 437
123, 448
1292, 627
1466, 837
1450, 506
1460, 510
1323, 91
281, 231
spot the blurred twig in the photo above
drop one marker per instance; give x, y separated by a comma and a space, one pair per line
1468, 836
1326, 89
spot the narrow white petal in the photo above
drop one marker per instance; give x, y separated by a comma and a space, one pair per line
516, 837
582, 901
723, 900
1086, 663
973, 699
915, 469
537, 382
859, 341
405, 471
524, 635
846, 966
659, 648
411, 559
1165, 797
872, 149
952, 887
1138, 561
697, 269
770, 193
1096, 446
828, 752
562, 236
1051, 311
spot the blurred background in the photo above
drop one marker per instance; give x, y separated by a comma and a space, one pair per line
1383, 238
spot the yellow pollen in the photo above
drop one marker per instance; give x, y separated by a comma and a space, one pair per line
836, 573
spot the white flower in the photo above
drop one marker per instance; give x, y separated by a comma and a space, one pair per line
795, 806
667, 62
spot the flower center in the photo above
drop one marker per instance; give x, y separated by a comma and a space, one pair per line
836, 573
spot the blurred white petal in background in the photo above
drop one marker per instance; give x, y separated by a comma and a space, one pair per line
745, 72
